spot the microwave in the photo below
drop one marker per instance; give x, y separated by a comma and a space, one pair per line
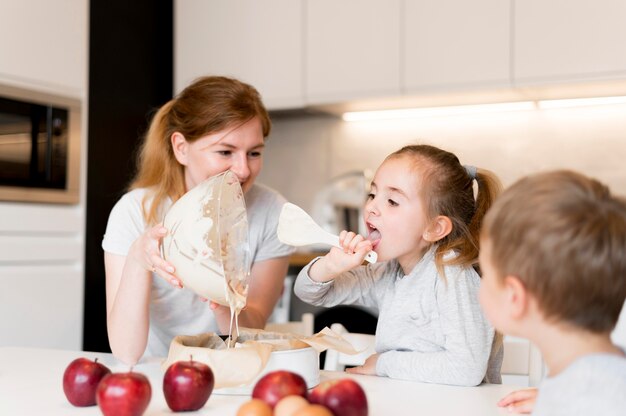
39, 147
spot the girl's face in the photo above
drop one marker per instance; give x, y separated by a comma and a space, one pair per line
238, 148
395, 214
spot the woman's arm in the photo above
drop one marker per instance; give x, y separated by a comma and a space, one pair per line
128, 282
266, 285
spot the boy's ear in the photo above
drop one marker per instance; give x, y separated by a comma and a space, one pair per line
180, 147
440, 227
517, 295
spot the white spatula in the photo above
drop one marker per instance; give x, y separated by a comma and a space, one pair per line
297, 228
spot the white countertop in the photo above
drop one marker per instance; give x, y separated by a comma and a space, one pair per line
31, 384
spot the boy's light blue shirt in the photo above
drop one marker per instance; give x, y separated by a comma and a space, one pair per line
592, 385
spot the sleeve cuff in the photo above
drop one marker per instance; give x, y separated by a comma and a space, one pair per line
316, 283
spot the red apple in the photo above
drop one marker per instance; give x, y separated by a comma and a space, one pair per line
343, 397
80, 380
187, 385
275, 385
124, 394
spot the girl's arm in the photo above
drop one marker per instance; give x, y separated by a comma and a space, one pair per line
363, 286
128, 282
266, 285
337, 278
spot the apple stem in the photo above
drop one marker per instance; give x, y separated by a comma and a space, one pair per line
95, 360
190, 357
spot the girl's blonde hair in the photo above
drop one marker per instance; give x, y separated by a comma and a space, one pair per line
210, 104
447, 189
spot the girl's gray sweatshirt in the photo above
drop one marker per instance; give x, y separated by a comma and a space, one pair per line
430, 328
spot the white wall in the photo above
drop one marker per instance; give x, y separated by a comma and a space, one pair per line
303, 153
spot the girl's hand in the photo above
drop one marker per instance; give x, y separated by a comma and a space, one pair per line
146, 254
520, 401
368, 367
352, 254
354, 248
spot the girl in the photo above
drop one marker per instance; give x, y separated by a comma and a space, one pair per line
424, 223
215, 124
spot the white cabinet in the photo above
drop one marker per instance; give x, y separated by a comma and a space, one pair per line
569, 40
316, 52
43, 52
352, 49
43, 44
456, 44
259, 42
41, 273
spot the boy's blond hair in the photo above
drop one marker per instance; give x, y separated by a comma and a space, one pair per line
564, 236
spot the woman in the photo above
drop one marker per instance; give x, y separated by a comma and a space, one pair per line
215, 124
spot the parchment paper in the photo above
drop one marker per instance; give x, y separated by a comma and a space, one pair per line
240, 365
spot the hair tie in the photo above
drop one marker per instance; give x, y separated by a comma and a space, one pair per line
471, 171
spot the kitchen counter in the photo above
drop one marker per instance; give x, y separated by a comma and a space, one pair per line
302, 258
31, 384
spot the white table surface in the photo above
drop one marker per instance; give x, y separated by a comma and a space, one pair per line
31, 384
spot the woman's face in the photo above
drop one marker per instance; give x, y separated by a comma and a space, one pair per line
238, 148
395, 214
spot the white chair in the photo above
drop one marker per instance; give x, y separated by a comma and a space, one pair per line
304, 327
522, 364
337, 361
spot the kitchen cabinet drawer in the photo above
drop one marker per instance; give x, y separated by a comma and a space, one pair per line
453, 44
259, 42
569, 40
41, 306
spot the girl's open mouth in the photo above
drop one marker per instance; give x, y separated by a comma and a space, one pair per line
373, 235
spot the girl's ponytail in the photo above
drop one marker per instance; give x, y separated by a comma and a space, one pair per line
489, 187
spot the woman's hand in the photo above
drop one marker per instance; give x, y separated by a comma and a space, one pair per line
145, 252
520, 401
368, 367
354, 248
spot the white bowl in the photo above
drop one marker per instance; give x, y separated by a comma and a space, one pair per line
303, 361
207, 239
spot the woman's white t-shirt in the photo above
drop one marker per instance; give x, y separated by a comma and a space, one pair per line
180, 311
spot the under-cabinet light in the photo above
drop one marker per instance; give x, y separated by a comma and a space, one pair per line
438, 111
580, 102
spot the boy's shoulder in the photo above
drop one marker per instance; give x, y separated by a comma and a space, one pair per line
593, 384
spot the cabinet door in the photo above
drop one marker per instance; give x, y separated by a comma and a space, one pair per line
259, 42
569, 40
43, 43
456, 43
352, 49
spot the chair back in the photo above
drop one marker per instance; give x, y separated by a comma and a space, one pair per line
365, 343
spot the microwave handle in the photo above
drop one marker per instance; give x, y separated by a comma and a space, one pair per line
48, 159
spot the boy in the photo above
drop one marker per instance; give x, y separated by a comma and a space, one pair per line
553, 257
